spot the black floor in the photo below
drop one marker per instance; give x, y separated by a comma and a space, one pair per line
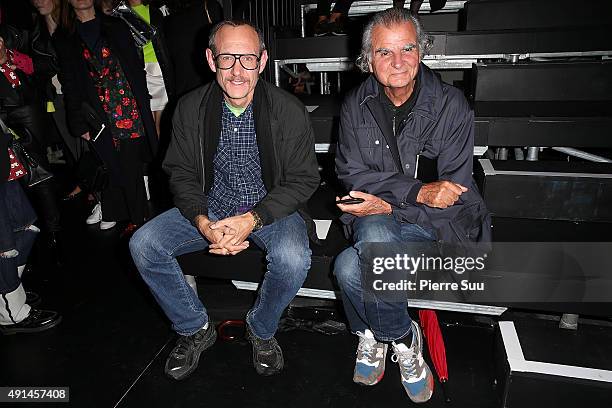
111, 346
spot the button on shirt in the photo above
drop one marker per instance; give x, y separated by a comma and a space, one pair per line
238, 185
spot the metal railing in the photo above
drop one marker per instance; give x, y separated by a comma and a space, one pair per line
268, 15
361, 8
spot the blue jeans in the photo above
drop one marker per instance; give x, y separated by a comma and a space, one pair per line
16, 215
156, 245
389, 321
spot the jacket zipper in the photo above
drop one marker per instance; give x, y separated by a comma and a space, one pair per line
416, 163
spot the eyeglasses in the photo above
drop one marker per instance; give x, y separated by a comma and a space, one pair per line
227, 61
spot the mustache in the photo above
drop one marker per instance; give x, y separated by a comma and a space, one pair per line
237, 78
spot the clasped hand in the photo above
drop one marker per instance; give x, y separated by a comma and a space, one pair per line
440, 194
227, 236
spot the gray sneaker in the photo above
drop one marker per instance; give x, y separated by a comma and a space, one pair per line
370, 362
267, 354
416, 375
184, 358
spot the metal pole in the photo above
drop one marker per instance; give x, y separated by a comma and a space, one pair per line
303, 17
323, 84
277, 73
519, 154
532, 153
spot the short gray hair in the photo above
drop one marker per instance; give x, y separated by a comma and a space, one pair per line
234, 23
388, 18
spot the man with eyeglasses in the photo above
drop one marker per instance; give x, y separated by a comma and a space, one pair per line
242, 166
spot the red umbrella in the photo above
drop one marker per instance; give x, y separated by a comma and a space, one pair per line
435, 345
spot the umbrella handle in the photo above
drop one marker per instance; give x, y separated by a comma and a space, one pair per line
445, 390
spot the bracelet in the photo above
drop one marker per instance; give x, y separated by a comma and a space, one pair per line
257, 223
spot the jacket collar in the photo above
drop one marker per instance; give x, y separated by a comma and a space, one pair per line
209, 122
425, 104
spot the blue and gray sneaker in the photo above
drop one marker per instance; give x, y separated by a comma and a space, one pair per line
371, 356
416, 375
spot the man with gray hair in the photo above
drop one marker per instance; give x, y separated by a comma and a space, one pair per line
242, 166
401, 113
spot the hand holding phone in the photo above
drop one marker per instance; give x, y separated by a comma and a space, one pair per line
364, 204
352, 200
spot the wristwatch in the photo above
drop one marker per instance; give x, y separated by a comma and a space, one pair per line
257, 223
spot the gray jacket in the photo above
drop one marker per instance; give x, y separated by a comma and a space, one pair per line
371, 158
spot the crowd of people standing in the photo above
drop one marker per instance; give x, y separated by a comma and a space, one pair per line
85, 82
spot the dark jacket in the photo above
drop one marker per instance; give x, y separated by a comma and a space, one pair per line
284, 138
16, 39
26, 94
440, 127
23, 108
36, 44
78, 87
44, 58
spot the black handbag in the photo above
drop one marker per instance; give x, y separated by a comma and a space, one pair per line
91, 170
36, 173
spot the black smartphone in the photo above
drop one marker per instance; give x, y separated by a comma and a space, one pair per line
352, 200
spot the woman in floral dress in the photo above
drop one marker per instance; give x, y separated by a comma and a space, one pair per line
103, 79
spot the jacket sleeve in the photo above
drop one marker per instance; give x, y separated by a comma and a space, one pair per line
300, 175
186, 182
45, 66
394, 187
73, 95
43, 53
455, 162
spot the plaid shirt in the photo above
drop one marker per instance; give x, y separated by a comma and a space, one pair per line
237, 185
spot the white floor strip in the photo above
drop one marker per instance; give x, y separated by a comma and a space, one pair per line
517, 362
144, 370
422, 304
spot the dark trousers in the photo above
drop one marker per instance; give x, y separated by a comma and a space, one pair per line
44, 197
73, 145
125, 198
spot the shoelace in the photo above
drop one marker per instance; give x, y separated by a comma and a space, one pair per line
182, 346
407, 359
185, 343
365, 348
265, 345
